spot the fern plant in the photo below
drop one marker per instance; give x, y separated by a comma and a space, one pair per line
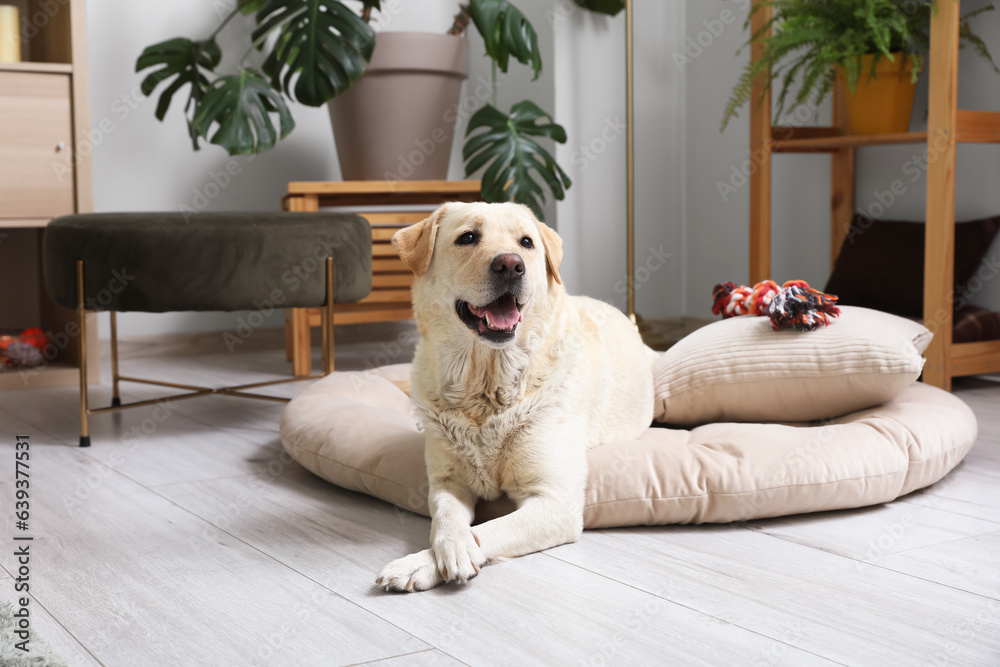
809, 38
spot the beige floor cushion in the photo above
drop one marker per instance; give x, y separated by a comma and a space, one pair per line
359, 431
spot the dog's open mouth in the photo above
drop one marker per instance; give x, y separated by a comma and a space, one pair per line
496, 321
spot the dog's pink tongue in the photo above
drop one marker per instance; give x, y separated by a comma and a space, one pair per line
503, 313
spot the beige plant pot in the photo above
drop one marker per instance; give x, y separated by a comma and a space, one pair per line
398, 120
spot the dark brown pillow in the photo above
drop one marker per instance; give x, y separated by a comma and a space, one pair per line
881, 264
974, 324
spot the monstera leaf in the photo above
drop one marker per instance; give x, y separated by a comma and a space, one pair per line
182, 60
505, 143
507, 33
322, 45
241, 106
609, 7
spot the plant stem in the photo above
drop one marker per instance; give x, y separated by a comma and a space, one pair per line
461, 21
494, 85
227, 20
291, 17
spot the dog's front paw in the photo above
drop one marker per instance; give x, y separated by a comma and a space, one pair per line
458, 555
416, 572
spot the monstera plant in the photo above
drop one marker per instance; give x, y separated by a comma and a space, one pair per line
316, 49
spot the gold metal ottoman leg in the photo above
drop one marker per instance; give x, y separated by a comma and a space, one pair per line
327, 320
115, 398
81, 314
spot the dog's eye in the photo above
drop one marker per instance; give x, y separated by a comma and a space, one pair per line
468, 238
526, 242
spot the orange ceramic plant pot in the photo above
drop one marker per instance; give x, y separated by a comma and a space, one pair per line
883, 103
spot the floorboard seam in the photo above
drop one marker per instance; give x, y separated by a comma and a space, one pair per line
939, 583
289, 567
882, 567
967, 516
694, 609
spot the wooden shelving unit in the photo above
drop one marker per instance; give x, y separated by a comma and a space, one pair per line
947, 127
44, 116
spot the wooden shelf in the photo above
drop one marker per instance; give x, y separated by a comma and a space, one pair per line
834, 143
382, 193
975, 358
381, 187
981, 127
971, 127
37, 68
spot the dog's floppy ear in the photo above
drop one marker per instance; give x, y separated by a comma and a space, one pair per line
553, 250
415, 244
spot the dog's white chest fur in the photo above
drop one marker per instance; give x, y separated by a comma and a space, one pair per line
488, 452
484, 439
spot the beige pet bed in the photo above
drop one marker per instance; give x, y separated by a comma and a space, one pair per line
359, 431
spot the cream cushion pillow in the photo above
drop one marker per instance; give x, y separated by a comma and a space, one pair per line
359, 431
742, 370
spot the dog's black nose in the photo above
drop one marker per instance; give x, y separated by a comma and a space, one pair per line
509, 265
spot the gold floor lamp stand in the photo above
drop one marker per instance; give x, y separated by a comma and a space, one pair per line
657, 333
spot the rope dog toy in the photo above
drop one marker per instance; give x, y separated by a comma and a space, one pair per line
794, 305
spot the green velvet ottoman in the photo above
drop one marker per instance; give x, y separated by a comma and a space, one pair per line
163, 262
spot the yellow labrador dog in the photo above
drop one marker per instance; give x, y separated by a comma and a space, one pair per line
514, 381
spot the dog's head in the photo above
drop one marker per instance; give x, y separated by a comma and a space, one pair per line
488, 265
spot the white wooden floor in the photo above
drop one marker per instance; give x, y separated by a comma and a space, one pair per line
185, 537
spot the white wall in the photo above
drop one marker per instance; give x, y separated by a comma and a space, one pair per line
143, 165
590, 102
